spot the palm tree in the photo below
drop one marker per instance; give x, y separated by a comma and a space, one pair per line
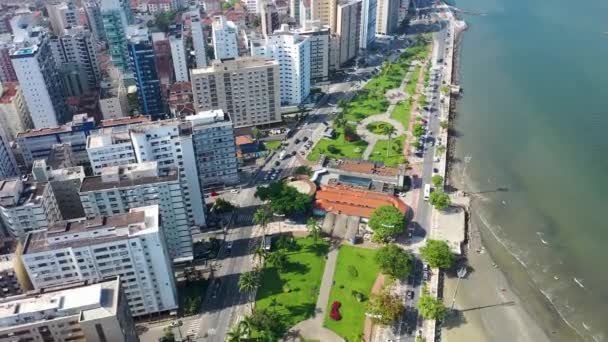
313, 229
249, 281
278, 259
262, 217
259, 252
239, 332
389, 130
340, 122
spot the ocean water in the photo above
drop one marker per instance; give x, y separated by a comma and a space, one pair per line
533, 124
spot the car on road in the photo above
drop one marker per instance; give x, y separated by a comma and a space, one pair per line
277, 163
410, 294
229, 246
297, 141
402, 194
234, 191
305, 139
213, 193
293, 153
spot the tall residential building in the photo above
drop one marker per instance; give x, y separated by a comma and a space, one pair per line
387, 16
13, 278
92, 9
79, 312
404, 6
14, 115
294, 11
178, 53
169, 142
225, 41
143, 66
253, 6
8, 164
247, 89
319, 37
324, 11
347, 31
27, 207
65, 183
115, 15
164, 64
270, 18
113, 99
130, 245
198, 38
7, 72
214, 148
292, 51
62, 15
369, 9
39, 80
75, 46
121, 188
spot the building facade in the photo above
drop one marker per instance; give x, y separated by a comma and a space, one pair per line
7, 72
198, 38
348, 31
369, 9
115, 16
225, 40
75, 46
65, 184
387, 16
14, 115
247, 89
131, 246
62, 15
178, 53
8, 164
319, 37
122, 188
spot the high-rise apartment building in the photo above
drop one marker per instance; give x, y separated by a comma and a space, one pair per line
7, 73
319, 37
65, 184
131, 246
369, 9
247, 89
39, 80
8, 164
162, 55
198, 38
178, 53
27, 207
292, 51
387, 16
75, 47
116, 17
78, 312
253, 6
270, 18
121, 188
14, 115
62, 15
92, 10
113, 103
143, 67
214, 148
225, 40
348, 30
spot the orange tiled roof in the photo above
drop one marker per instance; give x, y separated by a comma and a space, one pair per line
243, 139
349, 201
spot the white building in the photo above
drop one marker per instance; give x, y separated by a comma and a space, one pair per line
8, 164
75, 46
27, 207
14, 115
247, 89
387, 16
369, 10
121, 188
168, 142
319, 37
225, 40
81, 312
348, 33
62, 16
293, 53
39, 80
198, 38
214, 148
130, 245
113, 102
178, 53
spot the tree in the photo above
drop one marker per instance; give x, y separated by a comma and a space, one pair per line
440, 150
437, 254
439, 199
340, 122
313, 228
444, 124
418, 130
284, 199
388, 130
255, 22
164, 19
267, 323
262, 217
222, 206
249, 281
278, 259
384, 308
386, 221
350, 133
394, 261
437, 181
303, 170
168, 336
431, 308
260, 253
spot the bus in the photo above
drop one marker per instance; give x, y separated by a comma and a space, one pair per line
427, 191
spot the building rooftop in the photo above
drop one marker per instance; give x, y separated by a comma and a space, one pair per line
128, 176
9, 90
86, 301
108, 139
345, 200
125, 121
78, 121
207, 117
14, 193
239, 63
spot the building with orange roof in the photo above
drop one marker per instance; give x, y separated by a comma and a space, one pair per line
342, 199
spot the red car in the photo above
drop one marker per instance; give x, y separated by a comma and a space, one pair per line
214, 194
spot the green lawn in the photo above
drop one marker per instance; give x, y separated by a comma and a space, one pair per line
338, 148
410, 87
395, 156
272, 144
377, 127
353, 312
402, 113
302, 278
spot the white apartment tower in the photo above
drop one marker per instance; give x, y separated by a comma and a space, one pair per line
122, 188
130, 245
178, 53
293, 53
225, 40
198, 38
247, 89
348, 30
319, 37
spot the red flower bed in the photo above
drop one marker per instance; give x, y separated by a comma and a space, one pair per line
335, 311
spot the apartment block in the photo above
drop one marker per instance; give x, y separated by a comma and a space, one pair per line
113, 102
198, 37
80, 312
7, 72
8, 163
14, 115
348, 31
92, 9
270, 18
116, 17
387, 16
130, 245
27, 207
65, 183
319, 38
122, 188
225, 38
247, 89
369, 11
75, 47
178, 53
214, 148
62, 15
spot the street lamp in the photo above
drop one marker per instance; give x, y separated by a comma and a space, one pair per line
461, 274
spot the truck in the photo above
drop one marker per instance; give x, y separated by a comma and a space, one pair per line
282, 155
427, 191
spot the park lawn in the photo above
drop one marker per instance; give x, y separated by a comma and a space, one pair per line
353, 312
402, 113
272, 144
395, 156
303, 277
377, 127
344, 149
410, 87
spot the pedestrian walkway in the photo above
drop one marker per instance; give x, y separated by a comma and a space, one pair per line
312, 328
372, 138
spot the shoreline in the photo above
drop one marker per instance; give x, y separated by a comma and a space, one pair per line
493, 292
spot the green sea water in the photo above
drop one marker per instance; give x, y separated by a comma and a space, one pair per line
533, 122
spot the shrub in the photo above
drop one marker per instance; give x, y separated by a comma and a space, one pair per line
360, 297
352, 270
335, 311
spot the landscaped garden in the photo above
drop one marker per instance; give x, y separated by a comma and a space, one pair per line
356, 272
410, 87
402, 112
395, 155
338, 147
272, 144
378, 127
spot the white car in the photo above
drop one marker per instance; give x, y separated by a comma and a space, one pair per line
234, 191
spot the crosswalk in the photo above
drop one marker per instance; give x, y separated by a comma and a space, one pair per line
191, 328
244, 218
